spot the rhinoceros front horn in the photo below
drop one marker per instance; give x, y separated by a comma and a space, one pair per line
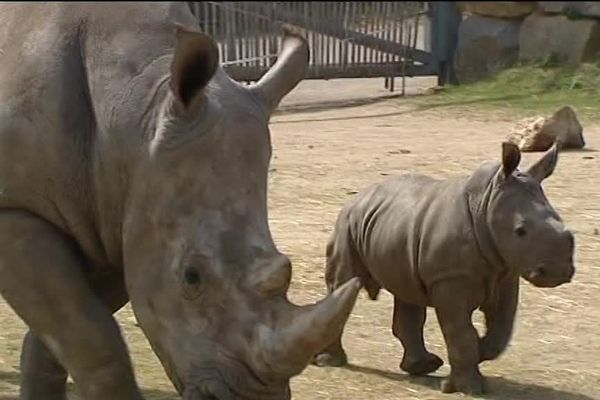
290, 347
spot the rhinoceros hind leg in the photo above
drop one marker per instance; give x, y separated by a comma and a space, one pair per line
331, 358
341, 266
41, 278
42, 377
409, 320
470, 385
422, 366
334, 354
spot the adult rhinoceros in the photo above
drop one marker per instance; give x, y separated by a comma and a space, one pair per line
133, 168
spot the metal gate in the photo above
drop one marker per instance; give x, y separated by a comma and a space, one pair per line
347, 39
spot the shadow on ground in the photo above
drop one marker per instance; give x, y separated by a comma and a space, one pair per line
499, 388
12, 378
584, 150
355, 103
332, 105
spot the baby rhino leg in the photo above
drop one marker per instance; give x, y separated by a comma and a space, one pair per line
408, 325
334, 354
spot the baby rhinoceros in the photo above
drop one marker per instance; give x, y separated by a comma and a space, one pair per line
455, 245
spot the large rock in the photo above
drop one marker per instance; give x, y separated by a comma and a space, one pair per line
485, 45
499, 9
581, 8
570, 41
539, 133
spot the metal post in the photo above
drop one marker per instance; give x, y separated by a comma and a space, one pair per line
445, 19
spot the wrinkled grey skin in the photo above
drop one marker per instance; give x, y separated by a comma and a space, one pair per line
133, 168
455, 245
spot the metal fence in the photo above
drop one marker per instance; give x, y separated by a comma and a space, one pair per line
347, 39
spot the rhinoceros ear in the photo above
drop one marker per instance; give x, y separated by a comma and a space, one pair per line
195, 61
511, 157
544, 167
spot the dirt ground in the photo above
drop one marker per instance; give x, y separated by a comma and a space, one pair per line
333, 138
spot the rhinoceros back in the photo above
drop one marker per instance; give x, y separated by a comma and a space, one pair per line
385, 221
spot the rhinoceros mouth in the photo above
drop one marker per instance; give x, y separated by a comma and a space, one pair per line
234, 381
548, 276
217, 389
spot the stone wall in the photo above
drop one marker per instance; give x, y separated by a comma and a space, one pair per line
495, 35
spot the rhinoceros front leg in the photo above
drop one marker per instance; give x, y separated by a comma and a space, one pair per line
499, 318
454, 312
42, 377
41, 278
409, 320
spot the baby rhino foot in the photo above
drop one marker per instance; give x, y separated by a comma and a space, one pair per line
326, 359
421, 366
471, 385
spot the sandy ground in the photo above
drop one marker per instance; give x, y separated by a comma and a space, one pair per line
333, 138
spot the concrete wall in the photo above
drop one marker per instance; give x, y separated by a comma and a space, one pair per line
495, 35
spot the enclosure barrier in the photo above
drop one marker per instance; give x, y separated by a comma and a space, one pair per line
347, 39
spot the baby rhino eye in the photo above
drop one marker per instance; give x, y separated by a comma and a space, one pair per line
520, 231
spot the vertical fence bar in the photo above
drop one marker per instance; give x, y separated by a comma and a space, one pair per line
388, 36
244, 36
381, 30
205, 20
343, 44
263, 43
239, 23
255, 40
322, 44
326, 39
232, 32
358, 28
363, 23
352, 25
403, 41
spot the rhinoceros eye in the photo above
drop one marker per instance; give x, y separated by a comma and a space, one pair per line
192, 276
192, 283
520, 231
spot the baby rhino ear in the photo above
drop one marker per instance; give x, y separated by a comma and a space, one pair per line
511, 157
195, 61
544, 167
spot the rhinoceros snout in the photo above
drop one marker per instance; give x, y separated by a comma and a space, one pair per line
551, 276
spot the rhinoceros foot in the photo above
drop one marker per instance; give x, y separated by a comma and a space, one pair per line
468, 384
327, 359
421, 366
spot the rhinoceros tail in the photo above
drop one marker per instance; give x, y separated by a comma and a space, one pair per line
371, 286
343, 263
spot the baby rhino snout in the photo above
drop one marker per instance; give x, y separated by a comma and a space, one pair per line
551, 276
559, 269
569, 268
